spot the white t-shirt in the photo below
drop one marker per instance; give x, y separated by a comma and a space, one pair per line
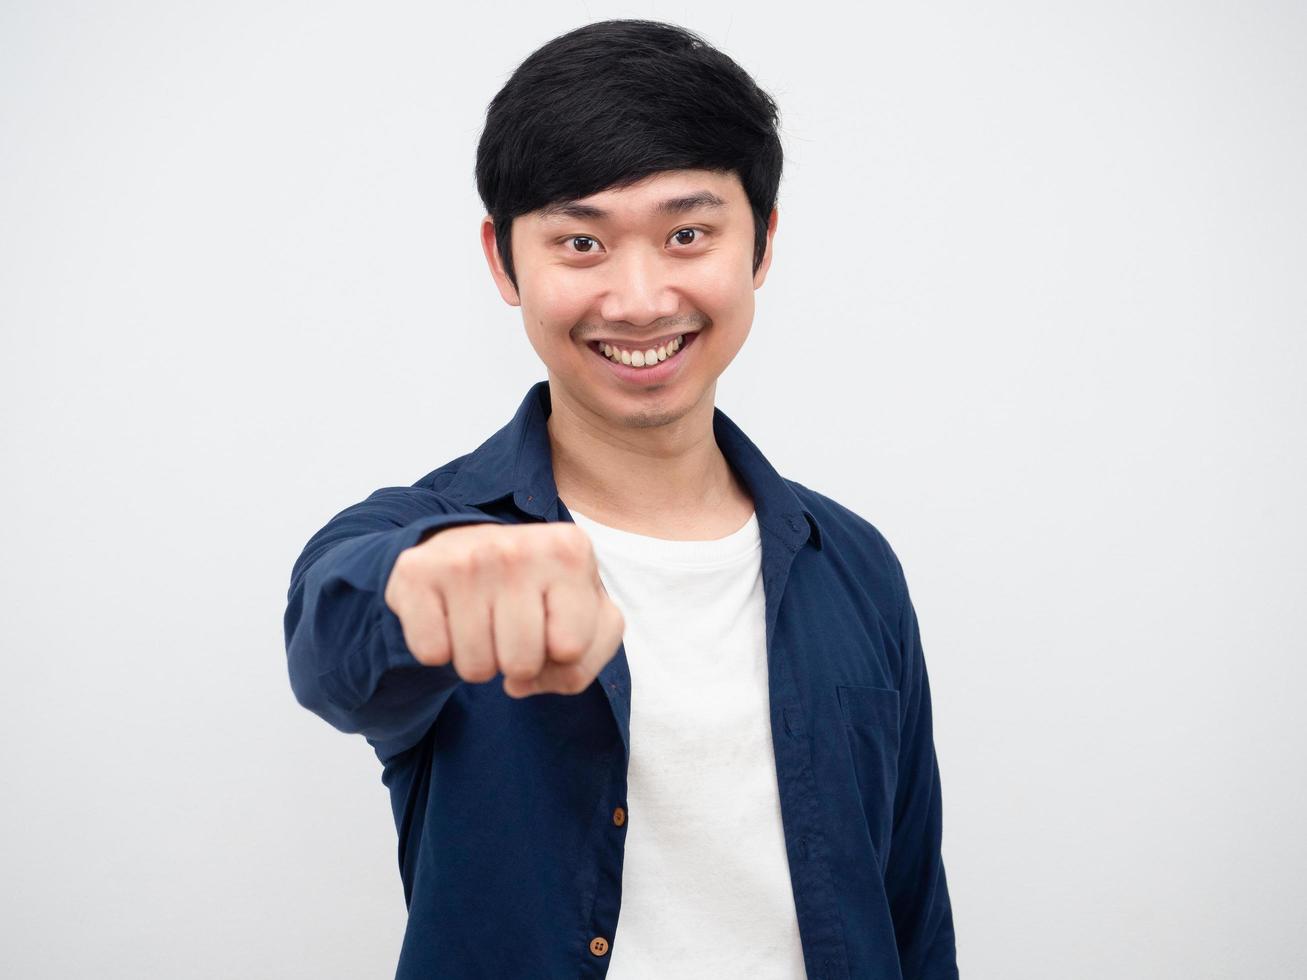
706, 886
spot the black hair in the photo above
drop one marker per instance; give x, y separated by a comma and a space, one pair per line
615, 101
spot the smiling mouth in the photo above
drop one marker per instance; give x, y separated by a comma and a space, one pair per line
643, 357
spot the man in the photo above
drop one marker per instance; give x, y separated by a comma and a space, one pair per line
611, 660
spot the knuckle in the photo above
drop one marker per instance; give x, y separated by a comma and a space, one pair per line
574, 680
457, 564
402, 562
517, 667
570, 545
483, 556
476, 673
519, 688
567, 647
518, 672
509, 550
429, 652
400, 573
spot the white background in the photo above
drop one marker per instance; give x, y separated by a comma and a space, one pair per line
1038, 309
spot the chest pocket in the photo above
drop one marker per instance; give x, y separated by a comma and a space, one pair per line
871, 724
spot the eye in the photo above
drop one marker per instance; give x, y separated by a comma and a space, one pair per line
586, 245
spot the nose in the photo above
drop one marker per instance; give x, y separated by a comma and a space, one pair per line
639, 291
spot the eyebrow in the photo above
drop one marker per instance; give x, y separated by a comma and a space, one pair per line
696, 201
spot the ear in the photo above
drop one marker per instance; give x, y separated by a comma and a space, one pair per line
765, 264
502, 282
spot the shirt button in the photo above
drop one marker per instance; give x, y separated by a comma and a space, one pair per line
599, 945
619, 816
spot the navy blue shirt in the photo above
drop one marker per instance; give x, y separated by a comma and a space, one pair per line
510, 846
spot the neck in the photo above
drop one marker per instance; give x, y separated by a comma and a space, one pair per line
665, 478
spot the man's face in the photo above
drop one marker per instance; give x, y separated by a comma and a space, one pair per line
634, 268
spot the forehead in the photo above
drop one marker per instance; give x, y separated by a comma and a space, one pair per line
670, 193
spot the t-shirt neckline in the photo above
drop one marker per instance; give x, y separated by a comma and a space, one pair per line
738, 544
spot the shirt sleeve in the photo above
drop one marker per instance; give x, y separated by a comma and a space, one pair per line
914, 878
345, 647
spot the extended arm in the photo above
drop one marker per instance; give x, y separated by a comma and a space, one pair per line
345, 648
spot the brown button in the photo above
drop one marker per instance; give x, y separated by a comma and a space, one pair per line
599, 945
619, 816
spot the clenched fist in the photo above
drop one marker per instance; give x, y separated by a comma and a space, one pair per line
522, 599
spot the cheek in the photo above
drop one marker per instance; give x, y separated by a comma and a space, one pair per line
557, 299
721, 286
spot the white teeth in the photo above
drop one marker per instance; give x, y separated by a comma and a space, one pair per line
643, 358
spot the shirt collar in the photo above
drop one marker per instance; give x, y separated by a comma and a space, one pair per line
517, 461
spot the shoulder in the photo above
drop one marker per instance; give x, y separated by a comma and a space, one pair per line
396, 505
855, 542
440, 477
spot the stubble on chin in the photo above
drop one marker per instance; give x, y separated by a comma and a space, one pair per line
651, 419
